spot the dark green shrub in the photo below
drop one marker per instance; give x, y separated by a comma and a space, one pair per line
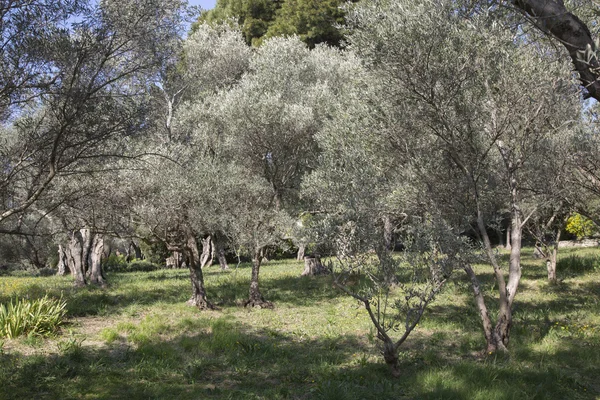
115, 263
154, 252
142, 266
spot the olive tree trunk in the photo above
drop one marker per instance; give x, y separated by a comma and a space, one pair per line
301, 252
552, 17
206, 258
552, 259
96, 251
175, 260
193, 260
63, 261
219, 249
255, 298
75, 256
313, 266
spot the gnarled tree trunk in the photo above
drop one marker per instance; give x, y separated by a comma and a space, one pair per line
219, 248
255, 298
313, 266
63, 261
193, 260
175, 260
206, 258
301, 251
97, 248
75, 257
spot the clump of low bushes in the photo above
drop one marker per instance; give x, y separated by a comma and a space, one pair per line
119, 263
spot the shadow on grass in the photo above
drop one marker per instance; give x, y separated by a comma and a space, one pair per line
214, 361
219, 359
225, 288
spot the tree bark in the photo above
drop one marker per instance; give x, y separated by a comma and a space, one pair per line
313, 266
219, 249
137, 252
503, 323
255, 298
193, 259
63, 261
175, 260
514, 269
301, 251
75, 258
483, 312
508, 245
390, 355
206, 259
87, 250
97, 248
552, 17
553, 257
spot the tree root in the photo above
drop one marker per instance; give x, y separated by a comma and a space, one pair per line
258, 303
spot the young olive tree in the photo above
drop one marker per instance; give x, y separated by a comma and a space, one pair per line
457, 92
359, 182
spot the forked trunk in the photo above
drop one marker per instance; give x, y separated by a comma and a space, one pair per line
175, 260
137, 251
496, 339
255, 298
97, 248
192, 255
75, 258
482, 308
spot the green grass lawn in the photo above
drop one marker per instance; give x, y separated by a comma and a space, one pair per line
138, 340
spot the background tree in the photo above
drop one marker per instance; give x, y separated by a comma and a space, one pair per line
95, 76
313, 21
253, 16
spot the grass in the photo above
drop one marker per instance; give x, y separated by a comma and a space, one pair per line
138, 340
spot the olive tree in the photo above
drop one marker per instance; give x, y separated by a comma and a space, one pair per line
457, 93
360, 181
81, 93
269, 122
177, 200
